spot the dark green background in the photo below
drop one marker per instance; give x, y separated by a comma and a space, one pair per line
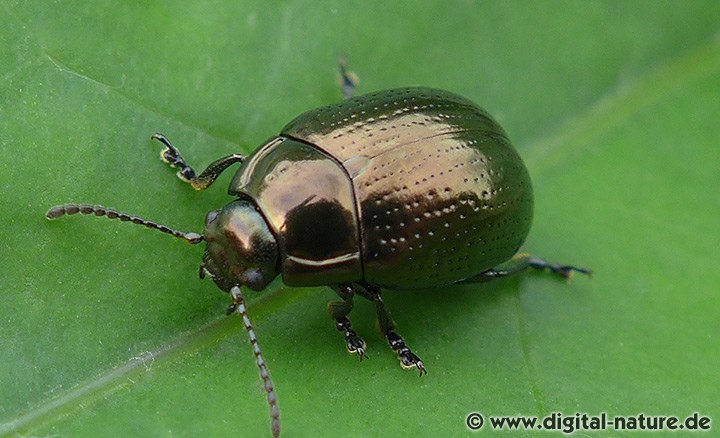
105, 329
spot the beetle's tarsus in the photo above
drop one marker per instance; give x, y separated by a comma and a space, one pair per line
408, 359
354, 343
338, 311
565, 271
171, 155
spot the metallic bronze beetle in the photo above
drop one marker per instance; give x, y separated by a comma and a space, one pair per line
398, 189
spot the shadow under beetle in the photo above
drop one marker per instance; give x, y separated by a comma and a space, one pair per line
398, 189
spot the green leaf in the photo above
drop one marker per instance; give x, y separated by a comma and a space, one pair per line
105, 328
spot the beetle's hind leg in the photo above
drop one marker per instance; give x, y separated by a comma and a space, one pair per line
171, 155
521, 263
408, 359
339, 310
348, 79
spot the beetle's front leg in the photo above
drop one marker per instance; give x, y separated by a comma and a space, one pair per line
338, 311
171, 155
408, 359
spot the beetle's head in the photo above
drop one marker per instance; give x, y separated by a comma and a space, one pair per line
240, 249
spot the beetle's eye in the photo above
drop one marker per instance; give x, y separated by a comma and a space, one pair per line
210, 218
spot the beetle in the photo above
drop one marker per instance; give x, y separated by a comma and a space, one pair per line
398, 189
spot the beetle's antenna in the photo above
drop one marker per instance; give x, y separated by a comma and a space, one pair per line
99, 210
238, 306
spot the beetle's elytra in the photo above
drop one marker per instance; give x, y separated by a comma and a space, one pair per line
399, 189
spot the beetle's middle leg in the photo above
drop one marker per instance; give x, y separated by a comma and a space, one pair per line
408, 359
171, 155
339, 310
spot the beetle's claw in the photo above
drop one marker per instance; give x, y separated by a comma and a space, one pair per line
356, 345
360, 351
568, 271
586, 271
420, 366
410, 360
